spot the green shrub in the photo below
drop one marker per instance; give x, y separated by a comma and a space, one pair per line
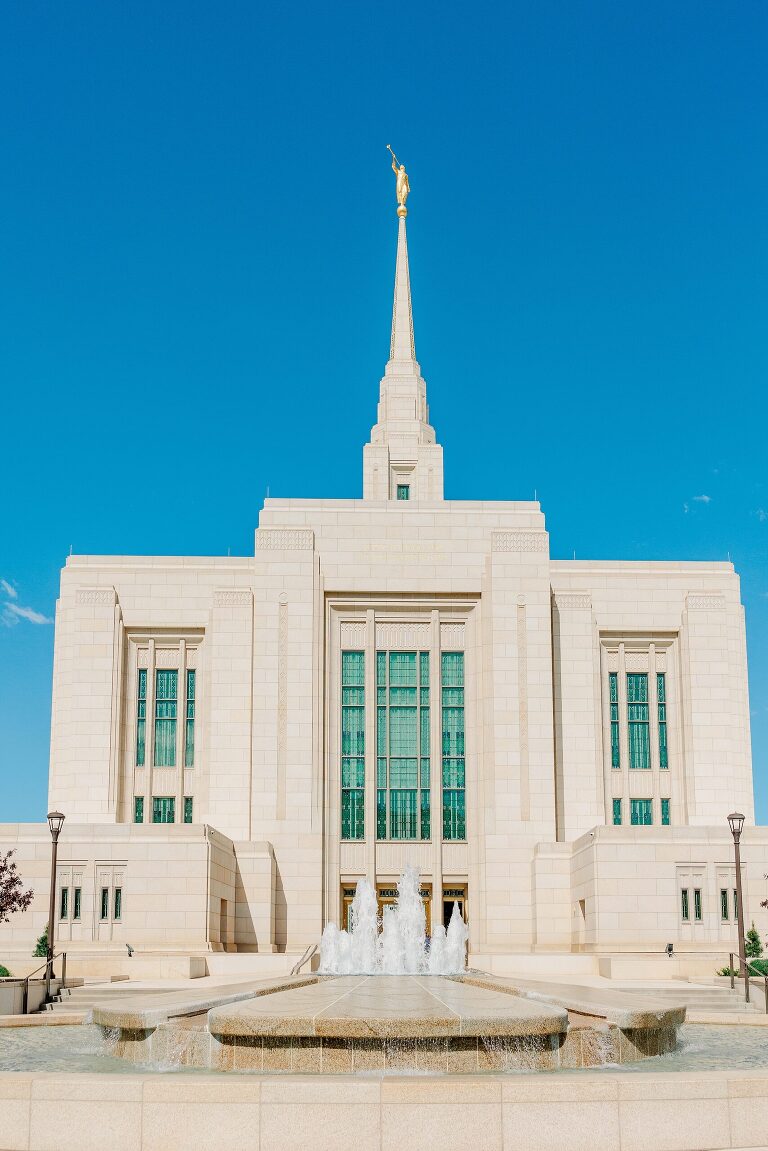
758, 966
753, 947
41, 947
726, 971
4, 972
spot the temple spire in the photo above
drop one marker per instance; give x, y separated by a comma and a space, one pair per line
402, 460
402, 347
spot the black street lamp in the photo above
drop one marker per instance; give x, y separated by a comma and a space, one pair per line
55, 822
736, 823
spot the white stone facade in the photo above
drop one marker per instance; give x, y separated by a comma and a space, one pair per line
262, 865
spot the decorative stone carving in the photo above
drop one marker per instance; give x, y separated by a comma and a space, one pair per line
403, 636
167, 657
192, 658
705, 603
452, 636
142, 657
636, 660
612, 660
232, 597
93, 595
285, 539
519, 542
353, 634
572, 601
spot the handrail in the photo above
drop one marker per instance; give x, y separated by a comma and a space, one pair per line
310, 951
748, 977
25, 996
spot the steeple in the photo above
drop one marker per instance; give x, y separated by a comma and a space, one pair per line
402, 460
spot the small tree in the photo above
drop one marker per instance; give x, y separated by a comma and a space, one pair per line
41, 947
12, 896
753, 947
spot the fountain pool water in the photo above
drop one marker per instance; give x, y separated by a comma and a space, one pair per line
396, 944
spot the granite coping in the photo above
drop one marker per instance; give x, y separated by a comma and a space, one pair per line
388, 1007
133, 1013
627, 1010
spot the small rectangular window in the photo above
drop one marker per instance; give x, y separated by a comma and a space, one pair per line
403, 491
187, 808
78, 903
138, 809
697, 904
735, 904
665, 813
684, 908
141, 717
641, 812
613, 693
64, 903
118, 903
105, 903
724, 904
164, 809
617, 812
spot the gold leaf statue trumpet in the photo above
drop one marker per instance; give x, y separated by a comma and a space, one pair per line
402, 187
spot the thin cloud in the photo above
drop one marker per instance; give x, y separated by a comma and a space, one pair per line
762, 515
13, 612
702, 499
8, 589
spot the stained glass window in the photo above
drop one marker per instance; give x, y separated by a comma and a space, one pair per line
453, 749
641, 812
661, 693
141, 717
166, 694
189, 743
637, 716
613, 688
402, 745
164, 809
353, 745
617, 812
665, 813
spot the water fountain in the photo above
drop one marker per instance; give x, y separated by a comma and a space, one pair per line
388, 996
396, 944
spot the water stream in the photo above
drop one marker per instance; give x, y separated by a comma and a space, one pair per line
397, 942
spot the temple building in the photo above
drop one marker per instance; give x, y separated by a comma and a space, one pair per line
394, 679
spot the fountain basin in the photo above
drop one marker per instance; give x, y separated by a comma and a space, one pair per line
336, 1024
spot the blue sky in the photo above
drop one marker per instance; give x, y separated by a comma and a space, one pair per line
197, 245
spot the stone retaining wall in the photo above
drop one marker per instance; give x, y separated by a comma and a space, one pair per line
609, 1112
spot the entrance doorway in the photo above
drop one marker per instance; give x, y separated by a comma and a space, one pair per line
453, 895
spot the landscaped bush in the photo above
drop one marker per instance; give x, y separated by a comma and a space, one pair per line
758, 966
41, 947
4, 972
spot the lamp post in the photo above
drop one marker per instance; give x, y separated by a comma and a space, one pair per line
55, 822
736, 823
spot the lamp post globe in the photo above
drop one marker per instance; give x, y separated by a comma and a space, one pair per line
736, 823
55, 823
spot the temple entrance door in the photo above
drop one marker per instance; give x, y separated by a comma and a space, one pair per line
453, 895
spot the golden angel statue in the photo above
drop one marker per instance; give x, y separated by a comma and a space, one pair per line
402, 186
